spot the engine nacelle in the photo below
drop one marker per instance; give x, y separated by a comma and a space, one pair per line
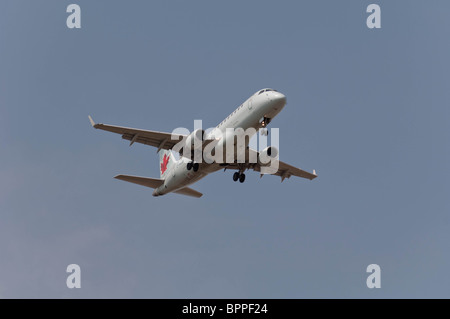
195, 138
267, 155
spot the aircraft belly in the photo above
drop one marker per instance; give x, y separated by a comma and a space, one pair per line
182, 178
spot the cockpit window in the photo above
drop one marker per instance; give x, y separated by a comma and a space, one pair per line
265, 90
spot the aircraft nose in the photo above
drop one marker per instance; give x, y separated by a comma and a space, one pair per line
279, 97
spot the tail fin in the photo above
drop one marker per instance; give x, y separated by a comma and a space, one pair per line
166, 160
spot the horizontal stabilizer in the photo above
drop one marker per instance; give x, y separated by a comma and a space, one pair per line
144, 181
189, 192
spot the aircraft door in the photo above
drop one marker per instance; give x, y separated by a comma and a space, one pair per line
250, 104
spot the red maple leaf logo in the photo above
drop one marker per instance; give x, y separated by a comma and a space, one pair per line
164, 163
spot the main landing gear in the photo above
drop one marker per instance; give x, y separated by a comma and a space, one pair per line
239, 176
193, 166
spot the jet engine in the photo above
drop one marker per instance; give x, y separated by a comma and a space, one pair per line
267, 155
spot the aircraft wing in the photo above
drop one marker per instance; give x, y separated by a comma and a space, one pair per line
284, 170
161, 140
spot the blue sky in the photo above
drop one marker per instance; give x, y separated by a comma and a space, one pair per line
368, 109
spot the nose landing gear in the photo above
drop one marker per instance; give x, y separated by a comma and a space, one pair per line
265, 121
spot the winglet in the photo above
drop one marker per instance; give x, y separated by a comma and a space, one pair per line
314, 172
92, 121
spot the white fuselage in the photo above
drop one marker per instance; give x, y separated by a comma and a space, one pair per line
264, 104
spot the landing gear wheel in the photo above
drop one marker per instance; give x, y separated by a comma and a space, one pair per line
242, 178
195, 167
235, 176
189, 166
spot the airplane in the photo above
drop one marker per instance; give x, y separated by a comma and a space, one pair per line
177, 174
